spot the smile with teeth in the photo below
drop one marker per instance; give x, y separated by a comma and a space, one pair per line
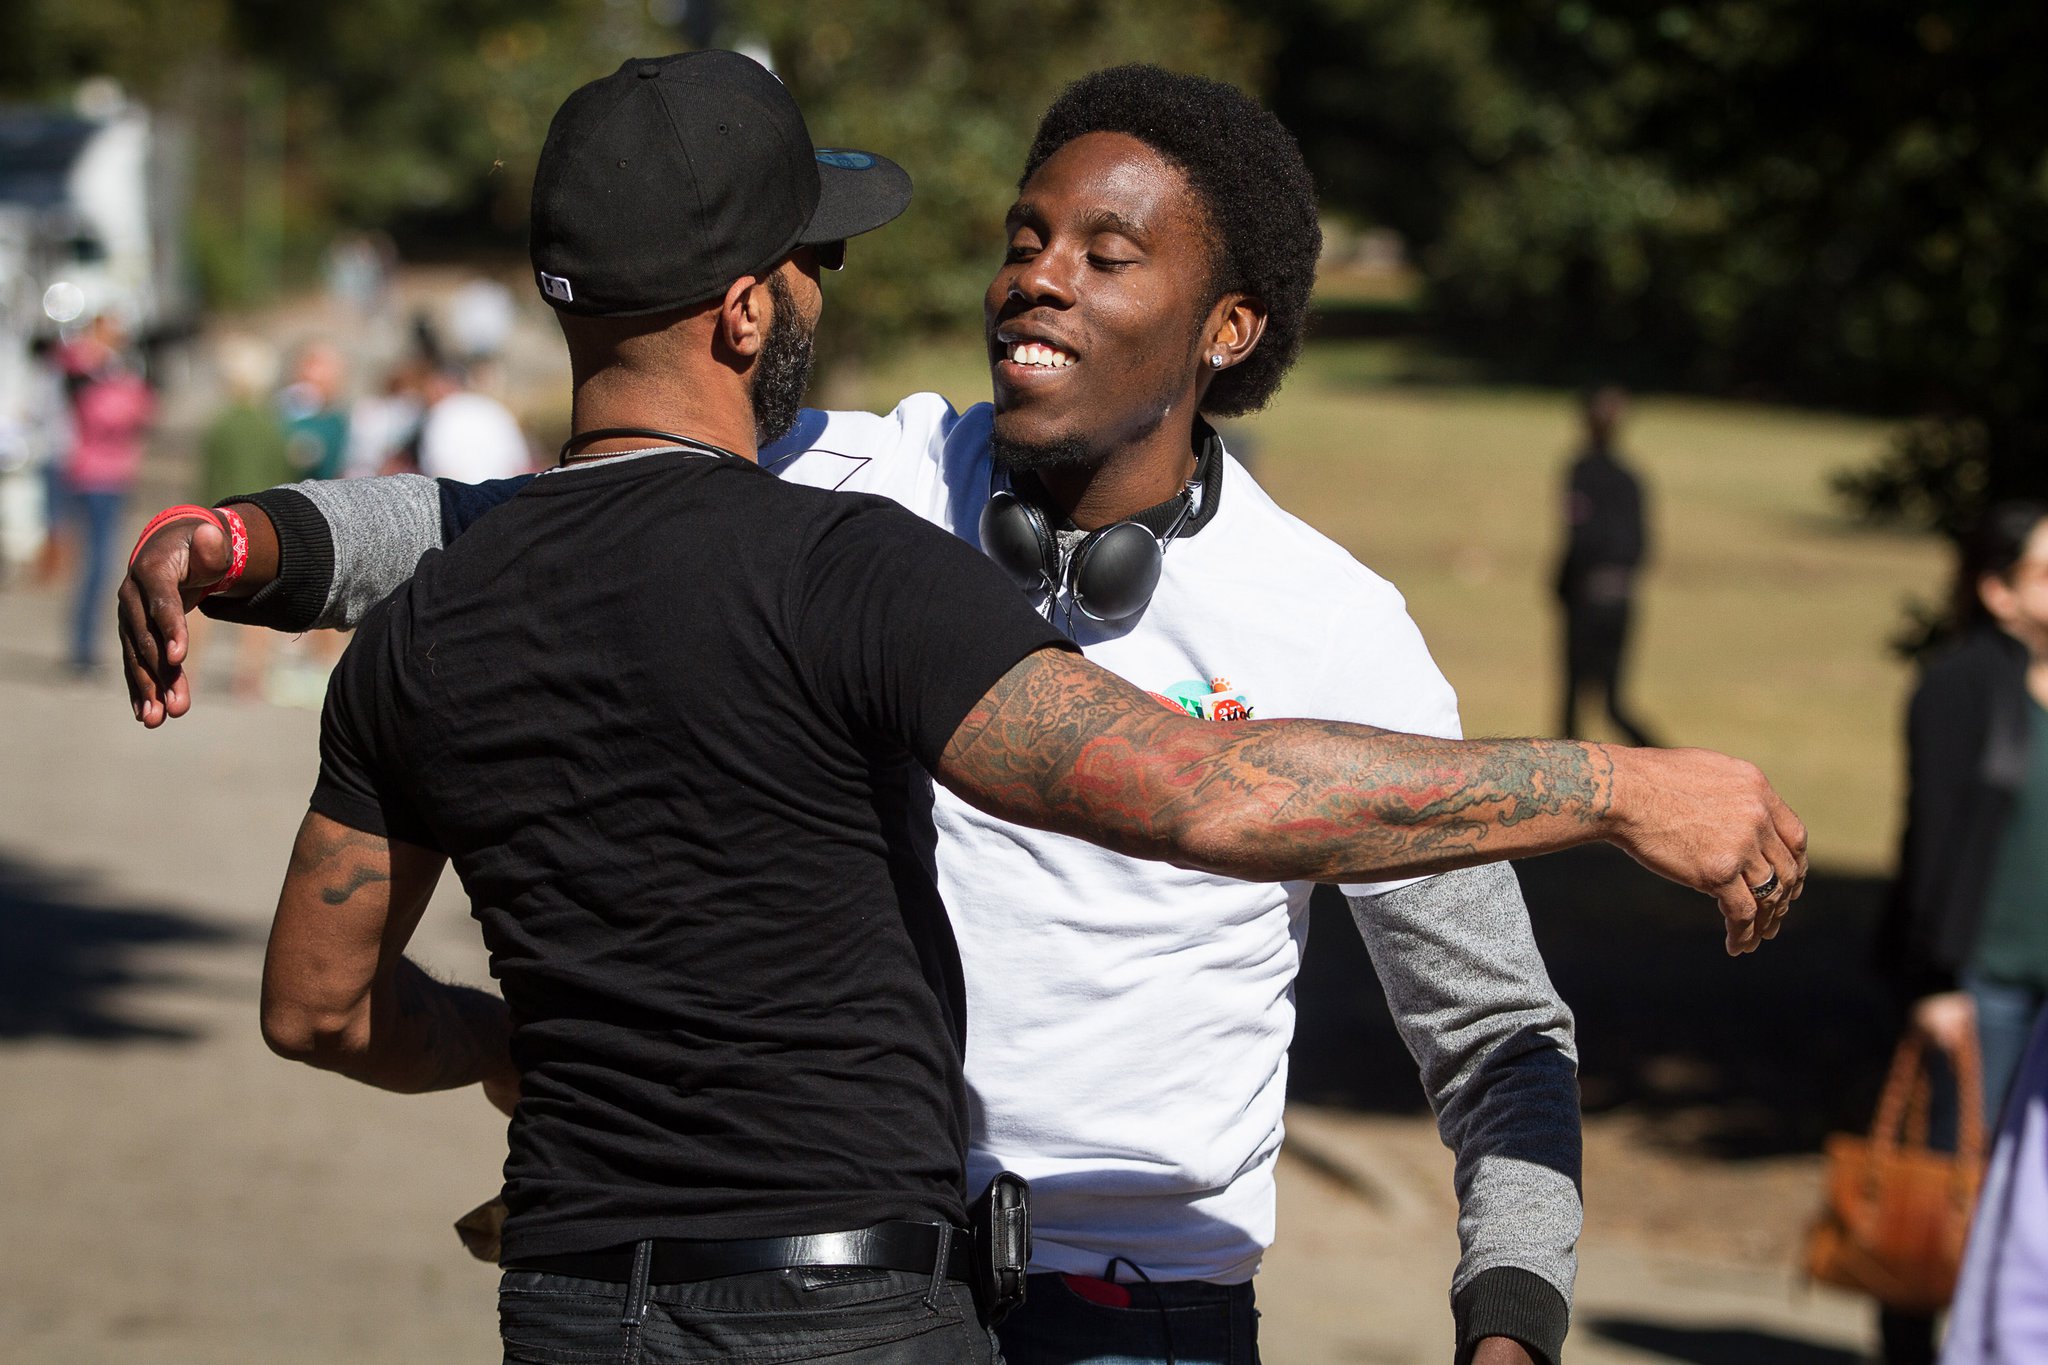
1037, 353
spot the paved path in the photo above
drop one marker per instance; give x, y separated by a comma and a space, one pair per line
176, 1194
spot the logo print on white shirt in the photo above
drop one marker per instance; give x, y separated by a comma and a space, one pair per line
1211, 700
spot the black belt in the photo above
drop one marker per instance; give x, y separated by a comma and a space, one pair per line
914, 1248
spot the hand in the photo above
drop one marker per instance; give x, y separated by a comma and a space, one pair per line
1501, 1351
169, 575
1948, 1020
1712, 823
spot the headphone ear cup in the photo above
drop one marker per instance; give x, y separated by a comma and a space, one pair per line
1114, 571
1015, 536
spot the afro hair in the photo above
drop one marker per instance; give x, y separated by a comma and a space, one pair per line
1246, 169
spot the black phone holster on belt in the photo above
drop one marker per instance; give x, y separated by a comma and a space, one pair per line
1001, 1220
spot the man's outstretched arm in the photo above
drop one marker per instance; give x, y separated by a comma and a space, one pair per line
338, 992
320, 555
1061, 744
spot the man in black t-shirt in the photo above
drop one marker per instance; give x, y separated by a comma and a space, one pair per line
686, 815
669, 718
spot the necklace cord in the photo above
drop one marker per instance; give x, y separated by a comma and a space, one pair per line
650, 433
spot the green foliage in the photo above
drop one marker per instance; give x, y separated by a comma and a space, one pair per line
380, 113
1835, 200
48, 46
312, 118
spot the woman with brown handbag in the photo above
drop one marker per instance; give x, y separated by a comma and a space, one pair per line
1966, 939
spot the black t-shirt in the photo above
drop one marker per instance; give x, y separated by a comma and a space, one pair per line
666, 717
1606, 511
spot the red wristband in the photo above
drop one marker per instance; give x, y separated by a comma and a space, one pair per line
238, 548
231, 524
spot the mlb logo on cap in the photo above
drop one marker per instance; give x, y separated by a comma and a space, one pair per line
555, 287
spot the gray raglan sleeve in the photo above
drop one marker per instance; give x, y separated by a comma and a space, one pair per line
343, 545
1475, 1006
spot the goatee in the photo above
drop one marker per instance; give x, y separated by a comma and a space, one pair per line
1015, 455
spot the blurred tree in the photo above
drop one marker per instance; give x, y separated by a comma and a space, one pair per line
389, 112
312, 118
1833, 200
1398, 104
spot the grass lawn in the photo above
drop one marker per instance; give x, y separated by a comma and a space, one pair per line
1764, 616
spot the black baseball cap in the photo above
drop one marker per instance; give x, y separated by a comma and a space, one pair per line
662, 183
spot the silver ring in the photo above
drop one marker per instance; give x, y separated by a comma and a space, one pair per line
1770, 884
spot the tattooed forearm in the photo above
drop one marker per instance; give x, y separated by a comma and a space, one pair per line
1062, 744
356, 880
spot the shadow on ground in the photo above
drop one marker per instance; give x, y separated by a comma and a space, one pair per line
1720, 1345
67, 960
1749, 1056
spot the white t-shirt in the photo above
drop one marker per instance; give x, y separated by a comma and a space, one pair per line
1128, 1021
472, 438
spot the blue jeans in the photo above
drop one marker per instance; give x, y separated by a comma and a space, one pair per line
849, 1316
1201, 1324
99, 518
2005, 1020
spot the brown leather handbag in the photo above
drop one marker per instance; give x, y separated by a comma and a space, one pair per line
1896, 1212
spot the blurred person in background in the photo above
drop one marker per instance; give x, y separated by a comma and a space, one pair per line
384, 427
480, 318
111, 407
358, 269
35, 435
1605, 545
467, 436
1965, 938
244, 448
316, 419
315, 413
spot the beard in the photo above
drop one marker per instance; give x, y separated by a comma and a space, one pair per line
1015, 455
783, 372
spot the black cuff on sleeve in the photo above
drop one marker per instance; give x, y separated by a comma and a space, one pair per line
305, 566
1508, 1301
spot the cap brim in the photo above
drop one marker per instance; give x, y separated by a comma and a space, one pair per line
857, 192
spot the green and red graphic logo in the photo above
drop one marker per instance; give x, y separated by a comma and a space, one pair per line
1211, 700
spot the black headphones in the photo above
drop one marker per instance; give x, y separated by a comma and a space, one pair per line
1109, 575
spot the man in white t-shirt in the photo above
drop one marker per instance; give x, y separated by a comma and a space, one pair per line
467, 436
1129, 1022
